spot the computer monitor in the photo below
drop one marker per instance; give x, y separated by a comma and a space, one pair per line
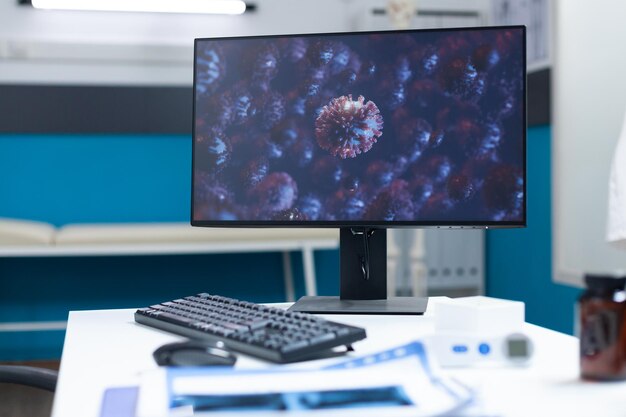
361, 131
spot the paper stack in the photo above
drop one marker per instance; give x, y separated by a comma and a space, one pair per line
396, 382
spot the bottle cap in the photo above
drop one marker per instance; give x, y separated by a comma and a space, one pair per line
605, 282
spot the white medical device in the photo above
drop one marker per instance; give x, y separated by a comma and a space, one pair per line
475, 331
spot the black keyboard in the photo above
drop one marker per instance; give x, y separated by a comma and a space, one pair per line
256, 330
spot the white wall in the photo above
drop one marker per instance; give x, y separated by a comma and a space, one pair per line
108, 47
589, 103
64, 47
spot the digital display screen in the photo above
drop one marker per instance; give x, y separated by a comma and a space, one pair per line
409, 126
517, 348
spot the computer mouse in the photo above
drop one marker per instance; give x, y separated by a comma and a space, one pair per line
194, 353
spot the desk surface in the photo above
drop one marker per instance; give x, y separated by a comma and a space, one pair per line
107, 348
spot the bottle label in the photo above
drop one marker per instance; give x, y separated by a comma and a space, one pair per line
599, 332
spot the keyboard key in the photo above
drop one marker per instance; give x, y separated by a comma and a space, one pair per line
294, 346
325, 337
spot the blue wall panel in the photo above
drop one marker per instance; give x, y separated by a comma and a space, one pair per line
519, 261
65, 179
25, 346
95, 178
41, 289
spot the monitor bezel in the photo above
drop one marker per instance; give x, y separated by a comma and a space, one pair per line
438, 224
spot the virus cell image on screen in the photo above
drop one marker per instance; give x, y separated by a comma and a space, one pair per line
416, 126
347, 127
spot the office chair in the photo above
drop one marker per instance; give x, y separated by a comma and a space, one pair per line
42, 378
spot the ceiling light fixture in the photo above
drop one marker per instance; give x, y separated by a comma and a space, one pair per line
161, 6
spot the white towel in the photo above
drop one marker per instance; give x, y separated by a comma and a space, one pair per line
616, 225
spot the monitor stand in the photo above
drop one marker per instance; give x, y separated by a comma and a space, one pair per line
363, 289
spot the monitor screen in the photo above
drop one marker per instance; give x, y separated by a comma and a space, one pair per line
416, 128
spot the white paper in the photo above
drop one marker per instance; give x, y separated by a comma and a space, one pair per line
403, 373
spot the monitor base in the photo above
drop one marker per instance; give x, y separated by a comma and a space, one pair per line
334, 305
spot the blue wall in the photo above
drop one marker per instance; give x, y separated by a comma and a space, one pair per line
95, 178
111, 178
519, 261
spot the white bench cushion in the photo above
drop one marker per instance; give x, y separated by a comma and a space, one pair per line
179, 232
25, 232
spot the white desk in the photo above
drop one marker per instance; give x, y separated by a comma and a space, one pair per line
107, 348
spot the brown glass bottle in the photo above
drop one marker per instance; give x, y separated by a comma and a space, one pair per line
603, 328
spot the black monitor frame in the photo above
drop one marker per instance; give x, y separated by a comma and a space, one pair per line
363, 244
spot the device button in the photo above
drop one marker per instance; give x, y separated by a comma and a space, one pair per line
459, 348
484, 349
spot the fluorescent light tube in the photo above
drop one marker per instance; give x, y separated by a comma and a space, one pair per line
162, 6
